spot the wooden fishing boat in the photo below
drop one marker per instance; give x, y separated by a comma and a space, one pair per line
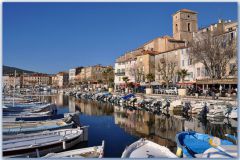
90, 152
147, 149
40, 144
193, 144
18, 127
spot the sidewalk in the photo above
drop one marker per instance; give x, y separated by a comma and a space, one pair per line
232, 98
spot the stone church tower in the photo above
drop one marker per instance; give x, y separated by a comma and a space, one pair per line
184, 24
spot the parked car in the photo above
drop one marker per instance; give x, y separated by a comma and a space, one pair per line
171, 90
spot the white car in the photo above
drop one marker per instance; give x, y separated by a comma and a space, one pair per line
171, 90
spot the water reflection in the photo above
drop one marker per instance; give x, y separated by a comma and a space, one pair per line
93, 108
121, 126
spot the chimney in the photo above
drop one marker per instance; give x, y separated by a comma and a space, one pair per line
220, 21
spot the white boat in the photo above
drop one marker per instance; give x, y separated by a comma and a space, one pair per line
18, 127
39, 144
234, 113
196, 107
147, 149
89, 152
176, 106
227, 151
217, 111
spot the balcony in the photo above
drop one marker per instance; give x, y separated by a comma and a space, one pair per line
120, 74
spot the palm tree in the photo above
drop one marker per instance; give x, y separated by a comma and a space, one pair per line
150, 77
99, 81
125, 79
182, 74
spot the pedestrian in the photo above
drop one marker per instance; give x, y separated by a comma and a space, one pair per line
220, 90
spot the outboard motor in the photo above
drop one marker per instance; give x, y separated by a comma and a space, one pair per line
186, 108
73, 118
229, 110
204, 111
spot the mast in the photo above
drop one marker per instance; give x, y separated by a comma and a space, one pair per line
14, 85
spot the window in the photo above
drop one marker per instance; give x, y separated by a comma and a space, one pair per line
231, 35
206, 72
191, 74
176, 28
189, 61
232, 68
188, 27
183, 63
203, 72
198, 72
123, 70
188, 16
118, 71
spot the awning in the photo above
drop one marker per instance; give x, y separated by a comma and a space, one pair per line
186, 83
217, 81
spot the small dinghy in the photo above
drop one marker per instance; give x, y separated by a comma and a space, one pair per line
18, 127
234, 113
193, 144
39, 144
147, 149
90, 152
127, 97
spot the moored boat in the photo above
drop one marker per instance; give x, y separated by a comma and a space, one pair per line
193, 144
39, 144
18, 127
147, 149
89, 152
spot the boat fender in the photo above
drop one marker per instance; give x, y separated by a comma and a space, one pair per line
179, 152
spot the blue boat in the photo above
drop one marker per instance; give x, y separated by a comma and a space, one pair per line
127, 97
191, 144
40, 118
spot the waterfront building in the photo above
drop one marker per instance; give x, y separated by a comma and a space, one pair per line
224, 32
126, 66
185, 30
60, 79
91, 74
72, 74
163, 44
167, 64
8, 81
36, 79
185, 23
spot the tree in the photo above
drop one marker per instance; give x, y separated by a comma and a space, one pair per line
125, 79
137, 71
108, 76
166, 69
99, 81
150, 78
214, 51
182, 74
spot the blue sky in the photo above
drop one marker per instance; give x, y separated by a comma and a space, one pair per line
52, 37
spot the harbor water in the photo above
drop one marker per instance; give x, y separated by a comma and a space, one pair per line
119, 127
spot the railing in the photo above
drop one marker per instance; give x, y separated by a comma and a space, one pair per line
120, 74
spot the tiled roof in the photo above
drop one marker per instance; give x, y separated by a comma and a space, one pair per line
186, 10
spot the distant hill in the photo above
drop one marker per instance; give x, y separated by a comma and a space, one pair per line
11, 70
